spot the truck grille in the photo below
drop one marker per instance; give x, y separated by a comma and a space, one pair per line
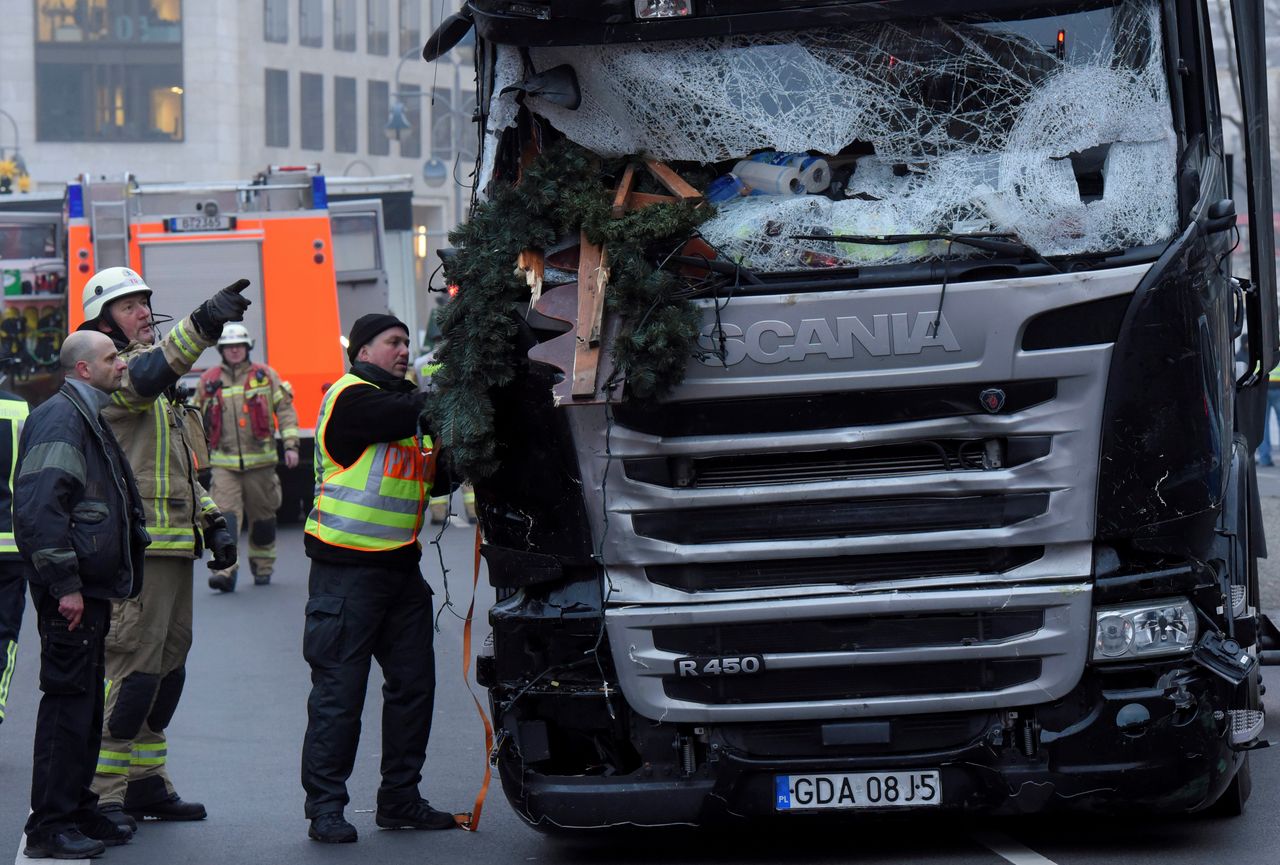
845, 464
838, 519
849, 635
857, 683
778, 414
840, 570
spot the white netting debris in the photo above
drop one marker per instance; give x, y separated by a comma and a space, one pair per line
502, 111
971, 126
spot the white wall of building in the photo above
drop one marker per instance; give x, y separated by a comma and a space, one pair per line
224, 55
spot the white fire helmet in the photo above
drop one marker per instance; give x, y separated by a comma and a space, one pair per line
110, 284
234, 334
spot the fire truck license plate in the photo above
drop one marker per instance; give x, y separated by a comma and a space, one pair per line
201, 223
857, 790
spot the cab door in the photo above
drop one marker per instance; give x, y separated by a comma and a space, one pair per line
359, 258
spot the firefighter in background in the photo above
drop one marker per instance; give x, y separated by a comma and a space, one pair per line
13, 586
421, 373
243, 402
13, 332
150, 636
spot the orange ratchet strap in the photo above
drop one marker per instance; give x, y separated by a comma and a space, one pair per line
471, 820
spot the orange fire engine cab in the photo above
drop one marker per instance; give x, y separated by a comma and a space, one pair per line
190, 239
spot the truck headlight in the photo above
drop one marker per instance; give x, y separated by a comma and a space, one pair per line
1149, 630
647, 10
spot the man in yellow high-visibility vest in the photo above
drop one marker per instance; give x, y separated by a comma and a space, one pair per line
375, 468
13, 586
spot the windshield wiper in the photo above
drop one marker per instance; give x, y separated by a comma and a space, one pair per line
997, 242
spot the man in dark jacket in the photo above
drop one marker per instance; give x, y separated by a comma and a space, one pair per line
79, 525
374, 473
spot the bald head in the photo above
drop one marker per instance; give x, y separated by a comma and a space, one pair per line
90, 356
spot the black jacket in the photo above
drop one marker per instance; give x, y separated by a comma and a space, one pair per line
77, 514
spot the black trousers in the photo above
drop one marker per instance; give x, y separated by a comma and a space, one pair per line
69, 721
356, 613
13, 600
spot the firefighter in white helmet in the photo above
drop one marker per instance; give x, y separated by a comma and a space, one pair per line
244, 403
149, 637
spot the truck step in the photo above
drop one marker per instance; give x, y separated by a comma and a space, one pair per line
1246, 725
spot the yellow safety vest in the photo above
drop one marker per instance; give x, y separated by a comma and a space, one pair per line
12, 412
377, 502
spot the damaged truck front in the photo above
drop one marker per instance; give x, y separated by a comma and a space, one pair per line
952, 504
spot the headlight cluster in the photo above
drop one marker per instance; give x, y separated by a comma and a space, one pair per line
1148, 630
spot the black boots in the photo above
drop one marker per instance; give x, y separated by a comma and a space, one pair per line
223, 582
414, 815
332, 828
150, 798
67, 844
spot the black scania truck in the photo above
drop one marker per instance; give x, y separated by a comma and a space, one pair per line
955, 507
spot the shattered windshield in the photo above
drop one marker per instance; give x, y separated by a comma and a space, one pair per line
1056, 129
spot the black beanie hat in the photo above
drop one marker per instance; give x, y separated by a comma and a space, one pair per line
367, 327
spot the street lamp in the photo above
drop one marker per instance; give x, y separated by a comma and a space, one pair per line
398, 120
435, 170
17, 149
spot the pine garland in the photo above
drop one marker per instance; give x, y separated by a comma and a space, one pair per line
561, 194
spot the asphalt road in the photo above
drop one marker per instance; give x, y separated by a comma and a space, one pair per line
235, 746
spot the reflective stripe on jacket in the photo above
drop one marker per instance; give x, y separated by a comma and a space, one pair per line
158, 434
377, 502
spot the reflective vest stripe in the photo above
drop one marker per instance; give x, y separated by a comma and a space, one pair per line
7, 542
376, 503
6, 675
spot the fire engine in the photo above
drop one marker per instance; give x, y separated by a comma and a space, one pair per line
319, 252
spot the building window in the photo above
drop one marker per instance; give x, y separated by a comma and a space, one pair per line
379, 27
311, 106
411, 139
128, 21
311, 23
276, 119
275, 20
379, 108
344, 115
344, 25
441, 124
410, 25
109, 72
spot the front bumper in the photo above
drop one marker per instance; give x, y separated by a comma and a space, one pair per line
1106, 746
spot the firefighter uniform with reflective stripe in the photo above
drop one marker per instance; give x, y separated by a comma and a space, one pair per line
367, 596
242, 407
150, 636
13, 411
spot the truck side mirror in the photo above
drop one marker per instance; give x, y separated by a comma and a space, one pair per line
448, 34
1221, 216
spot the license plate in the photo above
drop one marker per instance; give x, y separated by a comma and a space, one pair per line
201, 223
857, 790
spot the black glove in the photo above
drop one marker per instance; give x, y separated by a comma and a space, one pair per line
227, 305
218, 539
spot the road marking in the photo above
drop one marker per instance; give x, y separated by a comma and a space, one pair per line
1009, 850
